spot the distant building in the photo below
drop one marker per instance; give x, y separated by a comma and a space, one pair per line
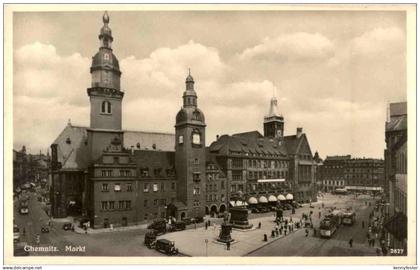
364, 174
30, 168
396, 174
266, 168
333, 172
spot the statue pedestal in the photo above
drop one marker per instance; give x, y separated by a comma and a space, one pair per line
239, 218
224, 235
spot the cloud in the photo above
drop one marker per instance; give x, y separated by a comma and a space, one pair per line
41, 72
163, 72
291, 47
378, 41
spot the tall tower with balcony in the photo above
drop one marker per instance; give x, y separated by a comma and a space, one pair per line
105, 95
190, 152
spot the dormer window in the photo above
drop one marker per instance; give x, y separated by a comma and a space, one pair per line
106, 107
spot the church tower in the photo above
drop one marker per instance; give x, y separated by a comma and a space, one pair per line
273, 122
105, 95
190, 152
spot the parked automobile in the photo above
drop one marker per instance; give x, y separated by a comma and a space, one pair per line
16, 234
188, 221
45, 229
199, 219
67, 226
166, 246
255, 210
150, 239
177, 226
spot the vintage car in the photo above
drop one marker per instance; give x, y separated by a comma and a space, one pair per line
158, 226
67, 226
150, 239
255, 210
199, 219
177, 226
166, 246
16, 234
45, 229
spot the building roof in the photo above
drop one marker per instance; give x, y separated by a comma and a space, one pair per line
249, 142
72, 149
162, 141
337, 158
294, 143
396, 123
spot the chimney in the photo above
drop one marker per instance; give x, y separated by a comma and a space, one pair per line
298, 132
217, 137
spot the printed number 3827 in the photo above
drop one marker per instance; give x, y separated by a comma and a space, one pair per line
396, 251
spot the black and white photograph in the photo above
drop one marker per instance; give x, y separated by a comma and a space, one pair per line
176, 131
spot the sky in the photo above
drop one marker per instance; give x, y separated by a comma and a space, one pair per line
333, 72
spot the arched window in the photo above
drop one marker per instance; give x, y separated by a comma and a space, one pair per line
106, 107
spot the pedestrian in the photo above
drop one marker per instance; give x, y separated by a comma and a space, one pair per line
319, 214
314, 232
378, 251
228, 245
351, 242
265, 238
272, 233
259, 225
363, 224
306, 232
285, 232
373, 242
206, 225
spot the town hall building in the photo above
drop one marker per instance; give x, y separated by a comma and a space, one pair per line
117, 177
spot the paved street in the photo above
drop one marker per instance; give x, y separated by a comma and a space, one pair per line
192, 241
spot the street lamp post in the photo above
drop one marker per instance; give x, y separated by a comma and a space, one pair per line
207, 241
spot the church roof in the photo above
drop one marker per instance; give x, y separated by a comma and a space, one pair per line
146, 139
72, 148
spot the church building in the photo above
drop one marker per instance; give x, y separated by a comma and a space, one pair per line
112, 176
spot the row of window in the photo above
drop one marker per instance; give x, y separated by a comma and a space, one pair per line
267, 175
113, 205
213, 187
107, 173
117, 187
156, 187
253, 163
335, 183
157, 172
156, 202
214, 197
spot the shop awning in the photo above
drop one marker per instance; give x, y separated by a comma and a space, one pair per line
289, 197
252, 200
272, 198
281, 197
262, 199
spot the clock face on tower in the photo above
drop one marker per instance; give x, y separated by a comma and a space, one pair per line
106, 57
